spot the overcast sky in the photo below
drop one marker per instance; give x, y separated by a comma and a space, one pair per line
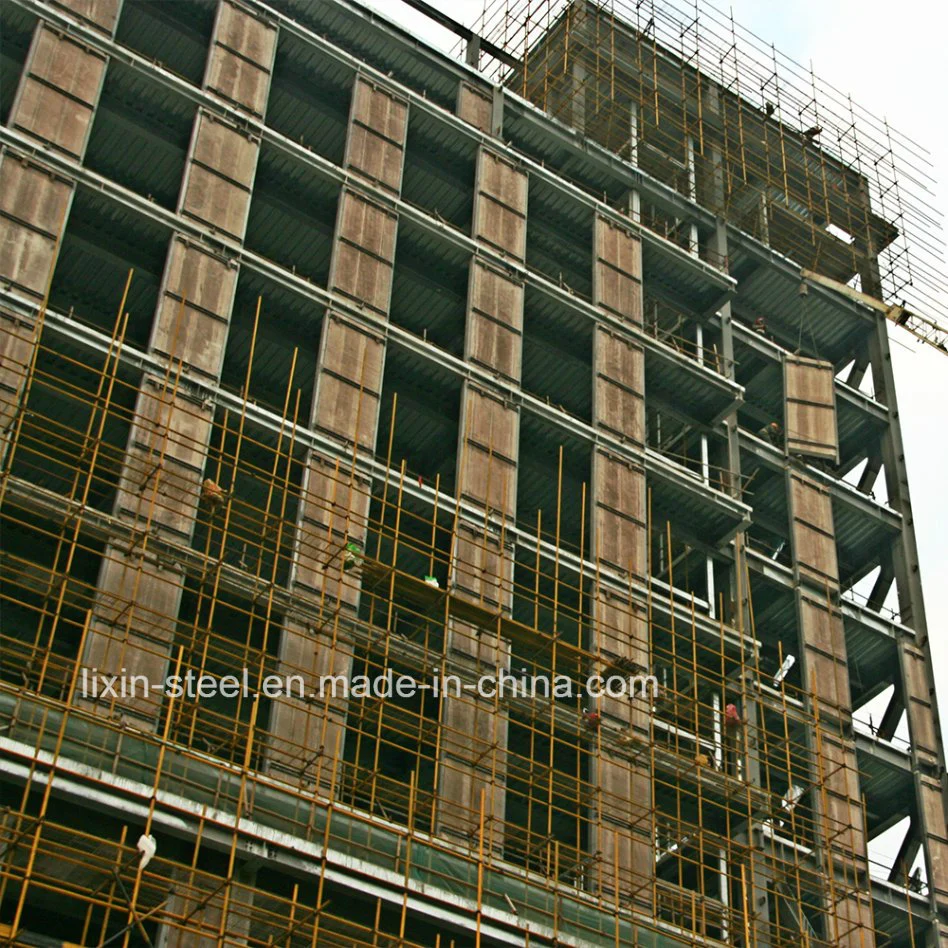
891, 58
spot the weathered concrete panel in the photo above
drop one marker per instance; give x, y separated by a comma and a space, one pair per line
487, 468
16, 350
473, 761
160, 484
307, 730
334, 504
500, 204
619, 385
334, 510
494, 346
481, 567
161, 481
813, 535
493, 335
215, 201
475, 107
488, 478
353, 353
59, 90
26, 257
618, 247
131, 631
854, 926
617, 273
368, 226
495, 295
205, 284
100, 13
810, 408
196, 899
618, 527
362, 277
918, 693
349, 383
931, 804
226, 149
364, 252
347, 411
32, 196
376, 141
621, 830
491, 422
241, 31
473, 754
380, 109
241, 58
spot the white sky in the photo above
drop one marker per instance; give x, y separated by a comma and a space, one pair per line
892, 59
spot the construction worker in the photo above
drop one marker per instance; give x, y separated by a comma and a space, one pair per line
733, 726
352, 556
790, 799
760, 326
772, 433
212, 494
591, 719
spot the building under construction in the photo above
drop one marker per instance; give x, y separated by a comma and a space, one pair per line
561, 358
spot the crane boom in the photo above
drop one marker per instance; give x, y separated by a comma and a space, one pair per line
924, 328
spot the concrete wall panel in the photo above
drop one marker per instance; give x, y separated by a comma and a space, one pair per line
810, 408
364, 252
161, 482
475, 107
496, 296
241, 58
376, 142
220, 175
33, 196
307, 730
473, 761
932, 806
618, 527
494, 346
103, 14
500, 204
617, 272
918, 693
348, 411
27, 256
223, 147
205, 285
494, 321
491, 423
354, 353
131, 630
814, 539
480, 568
619, 537
487, 466
59, 91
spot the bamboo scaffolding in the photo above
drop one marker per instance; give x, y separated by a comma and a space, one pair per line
697, 808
